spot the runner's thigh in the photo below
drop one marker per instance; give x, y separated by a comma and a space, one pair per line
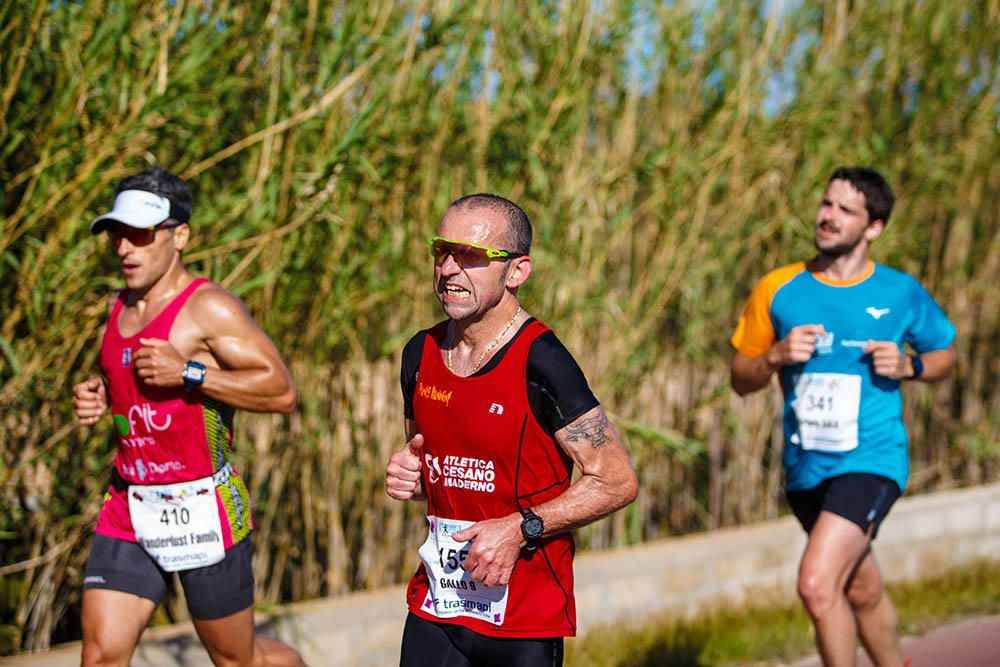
427, 644
120, 565
112, 622
862, 498
538, 652
220, 590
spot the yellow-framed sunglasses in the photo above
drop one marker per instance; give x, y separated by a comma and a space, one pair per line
467, 255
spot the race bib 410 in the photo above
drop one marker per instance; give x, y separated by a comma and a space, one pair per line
178, 524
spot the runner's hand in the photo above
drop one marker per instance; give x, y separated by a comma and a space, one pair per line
797, 347
888, 361
402, 475
496, 546
90, 400
158, 363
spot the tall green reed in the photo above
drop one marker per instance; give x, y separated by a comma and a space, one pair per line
668, 155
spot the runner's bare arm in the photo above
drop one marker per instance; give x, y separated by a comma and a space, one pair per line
889, 362
938, 364
750, 374
608, 483
402, 475
245, 370
90, 397
90, 401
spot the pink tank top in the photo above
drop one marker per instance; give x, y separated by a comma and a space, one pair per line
165, 435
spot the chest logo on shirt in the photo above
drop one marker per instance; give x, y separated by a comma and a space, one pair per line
143, 470
126, 357
877, 313
433, 468
432, 393
462, 472
496, 409
139, 419
824, 344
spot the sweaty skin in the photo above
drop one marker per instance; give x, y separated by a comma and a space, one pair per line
214, 328
839, 580
843, 236
245, 371
480, 302
607, 484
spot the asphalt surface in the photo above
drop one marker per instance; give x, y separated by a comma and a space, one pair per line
972, 643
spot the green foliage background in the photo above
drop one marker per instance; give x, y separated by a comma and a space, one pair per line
668, 154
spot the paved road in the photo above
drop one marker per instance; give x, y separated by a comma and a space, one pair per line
972, 643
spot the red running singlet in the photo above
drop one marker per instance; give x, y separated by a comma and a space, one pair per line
484, 457
165, 435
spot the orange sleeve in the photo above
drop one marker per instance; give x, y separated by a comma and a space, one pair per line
754, 333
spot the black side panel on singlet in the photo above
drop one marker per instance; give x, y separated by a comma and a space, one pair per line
558, 392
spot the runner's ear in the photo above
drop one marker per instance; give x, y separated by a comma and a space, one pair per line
182, 233
874, 230
518, 272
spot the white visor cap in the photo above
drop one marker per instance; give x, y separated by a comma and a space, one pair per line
136, 208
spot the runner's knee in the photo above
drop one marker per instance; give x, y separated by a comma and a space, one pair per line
817, 594
864, 595
229, 645
225, 656
104, 651
273, 653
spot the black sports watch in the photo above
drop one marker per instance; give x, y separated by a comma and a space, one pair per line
532, 528
918, 366
193, 375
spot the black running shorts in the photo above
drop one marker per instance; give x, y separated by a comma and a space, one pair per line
429, 644
859, 497
212, 592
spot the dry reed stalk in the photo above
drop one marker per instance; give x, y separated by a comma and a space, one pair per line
324, 140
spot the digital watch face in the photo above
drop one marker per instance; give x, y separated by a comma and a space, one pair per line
533, 527
194, 373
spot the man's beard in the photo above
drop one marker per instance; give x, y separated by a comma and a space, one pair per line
839, 249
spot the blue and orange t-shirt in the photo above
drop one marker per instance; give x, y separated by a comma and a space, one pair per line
839, 416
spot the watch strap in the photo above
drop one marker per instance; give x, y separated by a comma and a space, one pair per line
193, 374
528, 516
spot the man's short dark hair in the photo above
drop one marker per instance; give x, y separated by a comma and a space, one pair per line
518, 226
161, 182
878, 195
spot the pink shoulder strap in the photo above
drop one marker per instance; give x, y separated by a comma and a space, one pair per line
170, 312
161, 325
117, 309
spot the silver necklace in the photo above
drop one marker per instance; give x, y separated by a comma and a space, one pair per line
496, 341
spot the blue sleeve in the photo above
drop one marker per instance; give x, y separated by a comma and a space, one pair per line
930, 329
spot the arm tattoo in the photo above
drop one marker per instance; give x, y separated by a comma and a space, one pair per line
592, 429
